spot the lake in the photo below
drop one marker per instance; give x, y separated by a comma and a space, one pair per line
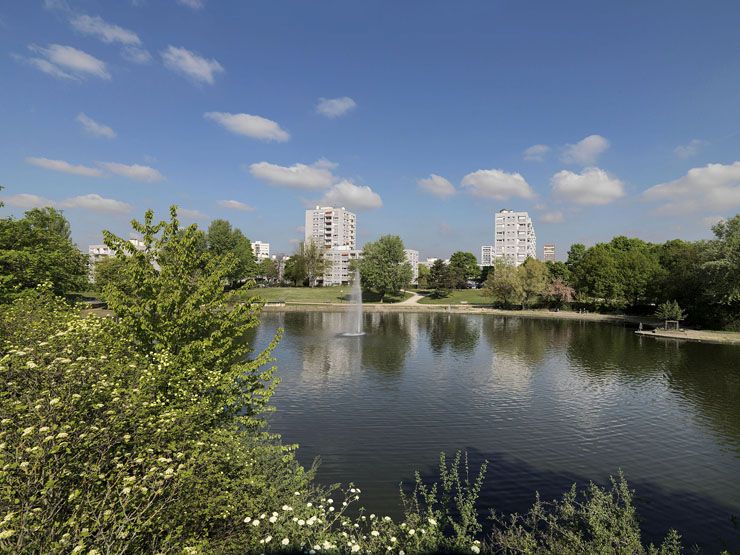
547, 403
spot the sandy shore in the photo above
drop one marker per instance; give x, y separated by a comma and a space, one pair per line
700, 336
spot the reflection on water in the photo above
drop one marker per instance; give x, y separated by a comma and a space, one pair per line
548, 403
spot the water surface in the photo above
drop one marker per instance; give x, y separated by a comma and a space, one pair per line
547, 403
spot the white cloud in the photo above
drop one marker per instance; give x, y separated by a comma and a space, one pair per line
586, 151
689, 150
436, 185
104, 31
591, 186
46, 66
60, 5
235, 205
95, 128
136, 55
497, 184
67, 62
96, 203
256, 127
357, 197
300, 176
133, 171
536, 153
552, 217
190, 64
191, 214
26, 200
712, 187
192, 4
335, 107
63, 166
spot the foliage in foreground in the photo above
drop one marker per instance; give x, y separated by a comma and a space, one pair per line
135, 435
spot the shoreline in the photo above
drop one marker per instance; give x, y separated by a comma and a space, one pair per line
460, 309
700, 336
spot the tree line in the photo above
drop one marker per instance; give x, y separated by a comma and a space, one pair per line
626, 274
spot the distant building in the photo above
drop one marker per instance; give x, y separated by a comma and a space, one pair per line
429, 262
412, 257
261, 250
486, 255
331, 227
96, 253
548, 253
335, 231
337, 270
514, 236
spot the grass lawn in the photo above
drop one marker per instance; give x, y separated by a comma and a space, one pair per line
460, 296
337, 294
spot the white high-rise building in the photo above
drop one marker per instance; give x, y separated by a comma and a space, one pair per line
486, 255
261, 250
331, 227
335, 231
412, 257
548, 253
514, 236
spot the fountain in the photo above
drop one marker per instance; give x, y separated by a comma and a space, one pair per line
354, 315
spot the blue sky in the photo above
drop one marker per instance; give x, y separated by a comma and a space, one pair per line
429, 109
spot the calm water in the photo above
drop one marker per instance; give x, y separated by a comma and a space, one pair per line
547, 403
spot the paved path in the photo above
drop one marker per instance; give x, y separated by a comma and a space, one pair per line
413, 299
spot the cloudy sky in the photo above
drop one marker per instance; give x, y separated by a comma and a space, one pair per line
425, 117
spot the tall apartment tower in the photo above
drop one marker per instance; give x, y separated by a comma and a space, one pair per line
548, 253
514, 236
335, 231
486, 255
331, 227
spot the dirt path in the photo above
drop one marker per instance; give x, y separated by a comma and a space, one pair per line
414, 299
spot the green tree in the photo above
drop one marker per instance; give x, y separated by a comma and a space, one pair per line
268, 269
315, 262
575, 254
670, 310
423, 280
295, 270
723, 264
223, 240
50, 221
535, 279
504, 283
597, 275
558, 270
638, 268
37, 248
441, 279
383, 266
108, 272
463, 267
